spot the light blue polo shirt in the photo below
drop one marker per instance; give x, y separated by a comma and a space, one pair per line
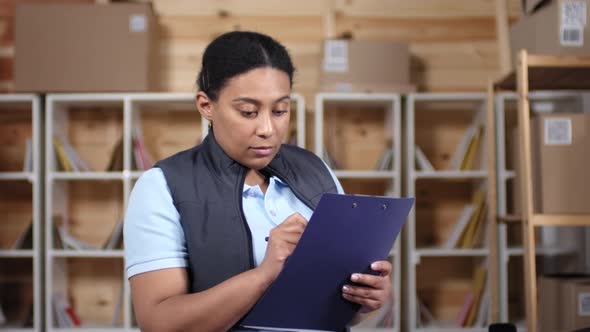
153, 235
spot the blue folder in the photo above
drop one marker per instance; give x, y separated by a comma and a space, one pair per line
345, 234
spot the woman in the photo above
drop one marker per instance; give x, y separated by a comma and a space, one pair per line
196, 223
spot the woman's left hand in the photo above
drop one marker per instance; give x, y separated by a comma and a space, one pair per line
372, 291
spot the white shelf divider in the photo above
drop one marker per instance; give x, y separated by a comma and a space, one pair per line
391, 102
412, 252
33, 103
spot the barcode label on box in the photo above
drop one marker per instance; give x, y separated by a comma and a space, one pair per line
137, 23
584, 304
336, 56
558, 131
573, 13
572, 36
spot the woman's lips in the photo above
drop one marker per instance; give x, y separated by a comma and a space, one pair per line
262, 151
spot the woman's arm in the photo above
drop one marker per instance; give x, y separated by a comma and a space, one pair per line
162, 302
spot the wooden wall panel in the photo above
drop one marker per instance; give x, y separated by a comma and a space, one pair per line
452, 42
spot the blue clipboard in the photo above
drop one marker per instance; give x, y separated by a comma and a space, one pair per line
345, 234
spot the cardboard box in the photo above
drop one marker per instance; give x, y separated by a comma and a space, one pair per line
560, 156
576, 305
84, 47
562, 159
558, 28
564, 302
365, 66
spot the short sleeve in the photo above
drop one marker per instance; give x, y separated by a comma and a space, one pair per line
153, 235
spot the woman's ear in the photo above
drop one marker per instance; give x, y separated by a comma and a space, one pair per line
204, 105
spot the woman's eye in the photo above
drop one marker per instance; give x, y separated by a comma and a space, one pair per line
279, 112
249, 114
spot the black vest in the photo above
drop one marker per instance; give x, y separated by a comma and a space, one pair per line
206, 186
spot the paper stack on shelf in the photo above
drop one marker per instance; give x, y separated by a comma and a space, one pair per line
28, 161
476, 302
386, 161
143, 159
465, 154
64, 312
68, 159
464, 218
423, 162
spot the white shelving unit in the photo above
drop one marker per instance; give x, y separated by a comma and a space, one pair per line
436, 122
156, 114
20, 119
374, 120
503, 103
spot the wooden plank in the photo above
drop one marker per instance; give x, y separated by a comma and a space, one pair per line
6, 72
441, 80
524, 127
422, 8
377, 187
558, 61
413, 29
503, 37
16, 209
206, 28
378, 8
560, 220
15, 129
492, 206
460, 56
6, 31
226, 8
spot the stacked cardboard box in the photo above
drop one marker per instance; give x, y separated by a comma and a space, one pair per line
564, 302
556, 27
84, 47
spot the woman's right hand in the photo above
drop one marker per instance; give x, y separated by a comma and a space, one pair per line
281, 243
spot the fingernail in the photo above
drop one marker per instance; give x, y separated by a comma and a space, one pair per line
375, 266
355, 277
345, 288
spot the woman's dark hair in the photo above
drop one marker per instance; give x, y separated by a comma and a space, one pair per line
237, 52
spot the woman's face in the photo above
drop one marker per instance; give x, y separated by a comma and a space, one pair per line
251, 115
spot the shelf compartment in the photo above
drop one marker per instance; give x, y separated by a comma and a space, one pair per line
445, 295
16, 292
358, 136
439, 205
164, 128
92, 287
16, 209
440, 127
89, 210
92, 131
16, 129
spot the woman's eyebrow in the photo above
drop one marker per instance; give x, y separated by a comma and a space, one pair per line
257, 102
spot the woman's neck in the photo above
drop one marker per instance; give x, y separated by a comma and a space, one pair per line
255, 178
